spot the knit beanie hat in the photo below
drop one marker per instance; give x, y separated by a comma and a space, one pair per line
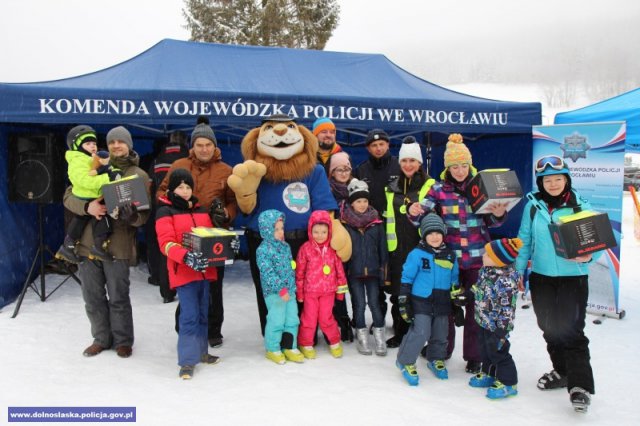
456, 152
357, 189
322, 123
503, 251
203, 130
120, 134
432, 223
79, 135
410, 149
339, 159
177, 177
376, 135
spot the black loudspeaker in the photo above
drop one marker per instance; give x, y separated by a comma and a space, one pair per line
37, 169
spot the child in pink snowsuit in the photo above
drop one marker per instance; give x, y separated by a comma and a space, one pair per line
320, 279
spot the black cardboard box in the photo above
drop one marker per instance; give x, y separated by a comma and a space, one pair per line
582, 233
493, 185
130, 189
215, 243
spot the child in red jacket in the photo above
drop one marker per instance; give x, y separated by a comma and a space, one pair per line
320, 279
189, 273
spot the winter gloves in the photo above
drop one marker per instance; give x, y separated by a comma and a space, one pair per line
235, 245
196, 261
128, 213
216, 211
458, 296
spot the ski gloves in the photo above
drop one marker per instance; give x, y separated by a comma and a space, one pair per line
458, 296
216, 211
404, 306
196, 261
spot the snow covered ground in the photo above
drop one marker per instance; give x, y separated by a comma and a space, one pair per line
42, 365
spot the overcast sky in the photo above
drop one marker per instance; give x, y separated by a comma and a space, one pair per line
437, 40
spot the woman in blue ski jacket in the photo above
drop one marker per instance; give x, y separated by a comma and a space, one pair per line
559, 287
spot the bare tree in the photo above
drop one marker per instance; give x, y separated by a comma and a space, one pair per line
287, 23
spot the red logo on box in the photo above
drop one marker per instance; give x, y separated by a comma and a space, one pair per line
217, 248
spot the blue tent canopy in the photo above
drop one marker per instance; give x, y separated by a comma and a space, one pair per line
625, 107
166, 87
174, 81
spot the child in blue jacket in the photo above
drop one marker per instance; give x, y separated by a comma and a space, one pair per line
428, 274
496, 293
277, 276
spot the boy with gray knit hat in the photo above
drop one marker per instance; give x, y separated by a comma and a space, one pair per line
427, 277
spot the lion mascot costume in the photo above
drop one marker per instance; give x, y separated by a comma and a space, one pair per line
280, 172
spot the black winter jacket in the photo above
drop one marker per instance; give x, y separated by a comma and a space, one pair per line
369, 252
378, 173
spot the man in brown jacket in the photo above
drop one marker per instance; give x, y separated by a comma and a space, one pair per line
105, 284
210, 184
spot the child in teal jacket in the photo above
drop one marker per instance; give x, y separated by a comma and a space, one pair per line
276, 266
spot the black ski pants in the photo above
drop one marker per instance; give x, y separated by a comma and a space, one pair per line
560, 305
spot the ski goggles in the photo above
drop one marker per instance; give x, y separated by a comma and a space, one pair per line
552, 161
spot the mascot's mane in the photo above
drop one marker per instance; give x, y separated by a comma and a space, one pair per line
295, 168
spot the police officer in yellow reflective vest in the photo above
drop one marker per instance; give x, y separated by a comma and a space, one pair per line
411, 186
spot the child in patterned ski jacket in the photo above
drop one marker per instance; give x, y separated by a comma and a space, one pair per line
320, 279
495, 305
278, 279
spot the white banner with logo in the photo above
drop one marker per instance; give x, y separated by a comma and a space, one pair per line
594, 153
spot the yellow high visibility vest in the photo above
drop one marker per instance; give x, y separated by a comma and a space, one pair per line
390, 214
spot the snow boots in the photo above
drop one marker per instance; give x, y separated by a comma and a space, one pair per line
294, 355
277, 357
209, 359
67, 251
308, 352
363, 341
186, 372
336, 350
381, 344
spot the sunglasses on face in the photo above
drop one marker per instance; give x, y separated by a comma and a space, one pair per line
552, 161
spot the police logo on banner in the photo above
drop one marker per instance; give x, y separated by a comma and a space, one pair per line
575, 146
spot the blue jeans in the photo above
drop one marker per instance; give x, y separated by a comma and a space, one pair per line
372, 287
192, 337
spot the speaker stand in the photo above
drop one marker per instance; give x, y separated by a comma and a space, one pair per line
39, 258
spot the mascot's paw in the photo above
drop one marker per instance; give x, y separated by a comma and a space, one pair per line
340, 240
244, 181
